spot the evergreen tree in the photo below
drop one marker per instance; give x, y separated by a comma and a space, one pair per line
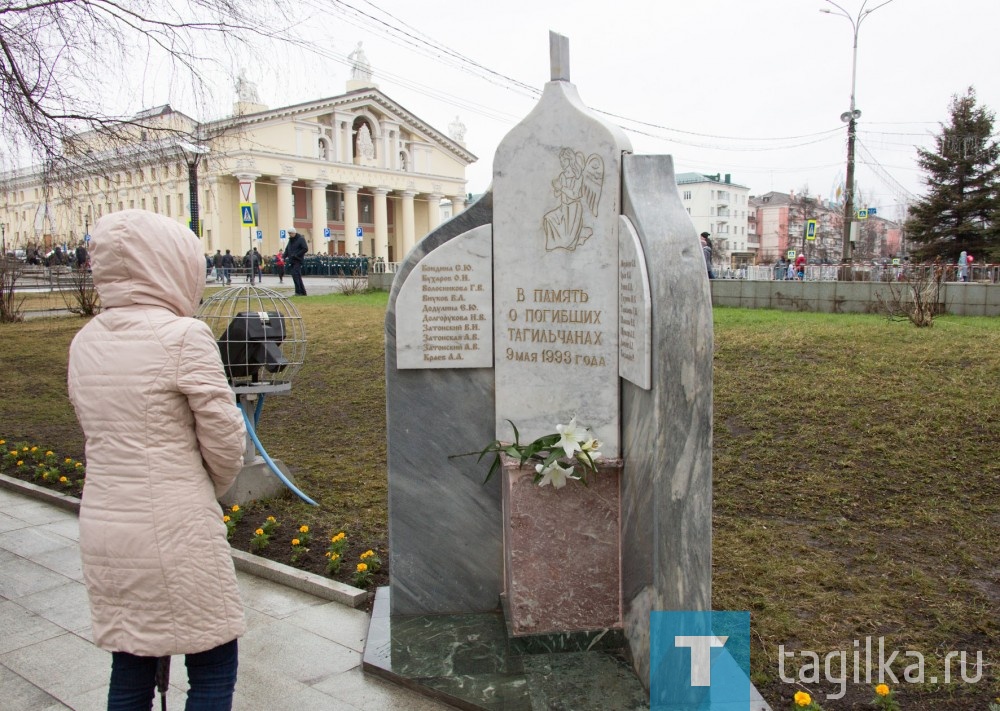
962, 205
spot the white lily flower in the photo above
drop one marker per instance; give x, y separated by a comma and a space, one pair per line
569, 438
554, 474
591, 445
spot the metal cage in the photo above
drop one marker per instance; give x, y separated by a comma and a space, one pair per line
261, 337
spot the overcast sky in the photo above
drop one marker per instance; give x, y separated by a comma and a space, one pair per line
754, 88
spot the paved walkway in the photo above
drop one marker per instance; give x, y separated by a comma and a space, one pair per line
300, 652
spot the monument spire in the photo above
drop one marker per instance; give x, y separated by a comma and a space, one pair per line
559, 56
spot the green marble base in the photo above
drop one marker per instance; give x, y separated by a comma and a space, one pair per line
469, 662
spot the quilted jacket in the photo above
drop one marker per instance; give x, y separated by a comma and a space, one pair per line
164, 439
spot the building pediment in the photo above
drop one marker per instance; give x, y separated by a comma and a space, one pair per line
369, 103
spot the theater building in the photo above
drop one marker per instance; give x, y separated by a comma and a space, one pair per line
331, 169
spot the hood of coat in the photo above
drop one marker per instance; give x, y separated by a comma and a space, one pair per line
139, 258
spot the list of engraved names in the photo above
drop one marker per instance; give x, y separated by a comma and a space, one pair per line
453, 317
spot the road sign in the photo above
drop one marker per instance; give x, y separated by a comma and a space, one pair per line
260, 235
359, 232
86, 237
863, 214
245, 187
872, 211
246, 214
326, 232
282, 235
790, 254
811, 230
895, 262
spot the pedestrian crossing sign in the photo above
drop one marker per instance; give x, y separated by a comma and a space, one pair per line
246, 212
811, 230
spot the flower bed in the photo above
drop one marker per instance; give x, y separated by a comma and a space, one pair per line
358, 562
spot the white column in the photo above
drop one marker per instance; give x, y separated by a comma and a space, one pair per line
318, 190
381, 224
433, 210
457, 204
285, 213
409, 227
351, 218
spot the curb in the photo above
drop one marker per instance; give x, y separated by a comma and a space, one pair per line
246, 562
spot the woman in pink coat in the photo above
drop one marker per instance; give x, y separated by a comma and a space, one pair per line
164, 439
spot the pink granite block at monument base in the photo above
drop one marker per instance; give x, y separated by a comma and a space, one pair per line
562, 552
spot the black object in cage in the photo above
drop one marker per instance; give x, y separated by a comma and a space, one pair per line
251, 342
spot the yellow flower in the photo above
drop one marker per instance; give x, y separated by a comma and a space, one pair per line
362, 567
13, 452
20, 462
295, 541
338, 537
78, 465
3, 442
367, 554
802, 698
67, 460
236, 507
259, 531
63, 480
34, 449
303, 529
882, 689
24, 449
225, 519
49, 453
271, 519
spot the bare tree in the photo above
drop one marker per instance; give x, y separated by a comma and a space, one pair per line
65, 65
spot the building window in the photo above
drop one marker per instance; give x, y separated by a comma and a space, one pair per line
334, 206
687, 194
366, 209
156, 204
166, 205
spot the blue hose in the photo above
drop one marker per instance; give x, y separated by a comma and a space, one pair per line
270, 462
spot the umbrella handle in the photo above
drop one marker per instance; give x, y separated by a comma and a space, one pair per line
163, 680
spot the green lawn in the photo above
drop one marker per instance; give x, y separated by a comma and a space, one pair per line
857, 484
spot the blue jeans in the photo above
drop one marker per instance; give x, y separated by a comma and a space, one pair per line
211, 674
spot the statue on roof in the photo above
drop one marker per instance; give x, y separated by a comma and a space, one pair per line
456, 130
246, 90
360, 68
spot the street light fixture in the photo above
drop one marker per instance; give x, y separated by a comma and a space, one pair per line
851, 116
193, 154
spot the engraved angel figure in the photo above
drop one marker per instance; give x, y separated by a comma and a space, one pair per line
580, 180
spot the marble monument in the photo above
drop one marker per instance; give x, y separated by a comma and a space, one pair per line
574, 287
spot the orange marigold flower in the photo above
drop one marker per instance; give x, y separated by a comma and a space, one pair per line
259, 531
296, 541
362, 567
802, 698
882, 689
303, 529
226, 519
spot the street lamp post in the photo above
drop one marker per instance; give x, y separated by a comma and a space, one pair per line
193, 154
851, 117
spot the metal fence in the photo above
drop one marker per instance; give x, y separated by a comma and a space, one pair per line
977, 273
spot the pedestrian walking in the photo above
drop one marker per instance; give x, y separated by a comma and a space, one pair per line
706, 249
279, 267
295, 254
